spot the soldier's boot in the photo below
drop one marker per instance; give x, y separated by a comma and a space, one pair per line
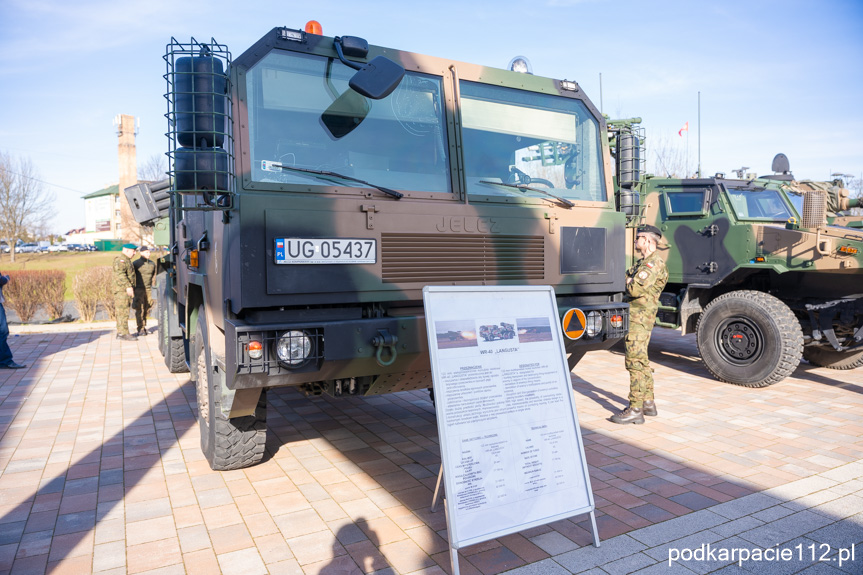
649, 408
629, 415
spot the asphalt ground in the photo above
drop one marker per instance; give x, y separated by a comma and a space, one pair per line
102, 473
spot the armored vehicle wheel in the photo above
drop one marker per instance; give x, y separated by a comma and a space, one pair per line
749, 338
226, 443
832, 358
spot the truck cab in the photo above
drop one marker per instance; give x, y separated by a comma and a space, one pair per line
317, 184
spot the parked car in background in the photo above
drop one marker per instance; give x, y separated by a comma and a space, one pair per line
27, 248
58, 248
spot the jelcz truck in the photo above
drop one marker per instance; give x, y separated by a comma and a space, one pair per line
317, 184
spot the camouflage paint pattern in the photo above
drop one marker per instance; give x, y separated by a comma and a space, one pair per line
451, 238
124, 277
145, 270
645, 281
750, 234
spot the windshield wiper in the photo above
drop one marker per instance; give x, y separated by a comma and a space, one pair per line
563, 201
393, 193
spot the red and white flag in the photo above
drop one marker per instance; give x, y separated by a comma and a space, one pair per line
685, 128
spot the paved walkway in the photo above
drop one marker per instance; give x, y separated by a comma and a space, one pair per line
100, 471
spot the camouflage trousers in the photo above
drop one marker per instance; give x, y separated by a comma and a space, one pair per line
121, 308
142, 304
640, 373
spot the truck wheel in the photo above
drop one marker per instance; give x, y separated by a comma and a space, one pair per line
832, 358
226, 443
749, 338
175, 355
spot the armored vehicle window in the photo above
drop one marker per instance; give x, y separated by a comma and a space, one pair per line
796, 200
536, 140
767, 205
689, 203
398, 142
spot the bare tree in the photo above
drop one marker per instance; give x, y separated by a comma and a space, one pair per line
25, 205
153, 169
666, 157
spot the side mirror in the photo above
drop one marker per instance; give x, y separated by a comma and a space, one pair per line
376, 79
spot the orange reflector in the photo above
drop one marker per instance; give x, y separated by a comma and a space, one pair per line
616, 321
848, 250
193, 258
574, 323
760, 259
256, 350
314, 27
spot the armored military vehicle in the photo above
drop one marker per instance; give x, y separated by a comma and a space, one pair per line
319, 183
754, 268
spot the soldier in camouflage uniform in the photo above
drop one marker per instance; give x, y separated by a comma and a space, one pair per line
124, 289
644, 282
145, 270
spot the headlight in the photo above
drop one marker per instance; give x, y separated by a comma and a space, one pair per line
593, 325
293, 348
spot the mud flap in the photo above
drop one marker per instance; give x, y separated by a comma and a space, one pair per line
237, 402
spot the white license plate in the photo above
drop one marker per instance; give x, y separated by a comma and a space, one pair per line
325, 251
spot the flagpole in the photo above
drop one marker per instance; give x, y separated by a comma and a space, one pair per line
699, 133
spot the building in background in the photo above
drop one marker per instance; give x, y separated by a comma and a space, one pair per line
106, 212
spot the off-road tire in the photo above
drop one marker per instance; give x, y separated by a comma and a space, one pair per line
226, 443
175, 355
832, 358
749, 338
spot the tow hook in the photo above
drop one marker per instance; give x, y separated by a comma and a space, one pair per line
385, 339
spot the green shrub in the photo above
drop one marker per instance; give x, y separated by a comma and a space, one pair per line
23, 293
88, 288
53, 285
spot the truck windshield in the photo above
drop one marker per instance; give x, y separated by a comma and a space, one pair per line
520, 137
400, 143
759, 205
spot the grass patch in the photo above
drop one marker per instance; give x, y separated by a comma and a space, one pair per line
72, 263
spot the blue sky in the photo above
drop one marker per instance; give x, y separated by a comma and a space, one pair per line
773, 76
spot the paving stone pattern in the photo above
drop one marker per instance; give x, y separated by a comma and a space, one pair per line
101, 472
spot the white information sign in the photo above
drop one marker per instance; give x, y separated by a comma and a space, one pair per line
511, 448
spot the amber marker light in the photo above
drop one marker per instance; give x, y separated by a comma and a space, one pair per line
193, 258
848, 250
314, 27
256, 350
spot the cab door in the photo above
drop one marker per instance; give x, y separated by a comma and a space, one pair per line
691, 229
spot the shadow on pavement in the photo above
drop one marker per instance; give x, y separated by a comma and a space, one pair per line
386, 447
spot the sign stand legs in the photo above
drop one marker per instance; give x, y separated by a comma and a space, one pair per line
595, 532
437, 489
452, 550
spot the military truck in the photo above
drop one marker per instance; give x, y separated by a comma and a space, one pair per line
317, 184
754, 268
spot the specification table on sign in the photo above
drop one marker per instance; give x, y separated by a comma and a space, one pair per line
510, 443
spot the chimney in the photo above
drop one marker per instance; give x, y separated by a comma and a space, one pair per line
126, 131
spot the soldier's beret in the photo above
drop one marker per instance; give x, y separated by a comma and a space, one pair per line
144, 249
648, 229
130, 247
